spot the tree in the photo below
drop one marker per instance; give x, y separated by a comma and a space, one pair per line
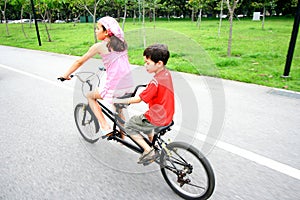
23, 4
263, 4
286, 7
196, 5
74, 10
199, 5
221, 17
44, 9
231, 7
166, 8
89, 5
3, 10
125, 14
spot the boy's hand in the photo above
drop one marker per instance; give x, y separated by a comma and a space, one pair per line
120, 101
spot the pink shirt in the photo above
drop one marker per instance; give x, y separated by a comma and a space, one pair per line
119, 79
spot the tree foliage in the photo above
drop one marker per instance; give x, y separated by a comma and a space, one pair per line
70, 9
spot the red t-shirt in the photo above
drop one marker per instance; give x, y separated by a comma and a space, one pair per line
159, 95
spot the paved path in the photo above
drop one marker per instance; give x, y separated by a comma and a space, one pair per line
249, 133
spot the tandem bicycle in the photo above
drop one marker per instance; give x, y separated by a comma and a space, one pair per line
184, 168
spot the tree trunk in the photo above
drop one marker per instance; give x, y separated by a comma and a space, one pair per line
22, 22
193, 14
231, 11
48, 34
199, 18
221, 14
124, 18
144, 31
46, 27
154, 16
134, 17
263, 21
230, 35
3, 13
94, 22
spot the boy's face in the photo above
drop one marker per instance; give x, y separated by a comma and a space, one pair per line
151, 66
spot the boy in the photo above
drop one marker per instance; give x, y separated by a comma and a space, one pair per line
158, 95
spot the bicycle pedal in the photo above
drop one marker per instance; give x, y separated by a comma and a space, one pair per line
104, 136
148, 162
107, 135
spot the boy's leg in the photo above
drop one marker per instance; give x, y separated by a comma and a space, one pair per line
92, 99
122, 116
140, 140
150, 137
138, 124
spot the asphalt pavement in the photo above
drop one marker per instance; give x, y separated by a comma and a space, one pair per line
249, 133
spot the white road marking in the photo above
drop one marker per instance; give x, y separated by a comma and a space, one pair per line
262, 160
56, 83
267, 162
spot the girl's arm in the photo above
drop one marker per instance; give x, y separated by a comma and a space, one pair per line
91, 52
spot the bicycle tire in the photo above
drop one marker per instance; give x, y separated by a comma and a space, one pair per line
177, 157
86, 122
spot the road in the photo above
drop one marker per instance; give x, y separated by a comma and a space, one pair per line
249, 133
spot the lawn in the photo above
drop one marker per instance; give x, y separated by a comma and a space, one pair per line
258, 55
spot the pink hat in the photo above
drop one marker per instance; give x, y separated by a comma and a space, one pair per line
112, 26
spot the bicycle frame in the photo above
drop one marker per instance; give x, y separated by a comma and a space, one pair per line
115, 118
118, 122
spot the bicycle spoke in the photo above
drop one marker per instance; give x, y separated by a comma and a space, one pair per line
195, 186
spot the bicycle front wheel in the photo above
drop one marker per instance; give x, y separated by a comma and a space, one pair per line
86, 123
187, 171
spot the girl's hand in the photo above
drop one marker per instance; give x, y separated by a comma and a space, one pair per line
63, 78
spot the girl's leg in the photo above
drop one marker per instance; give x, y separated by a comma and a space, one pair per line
92, 99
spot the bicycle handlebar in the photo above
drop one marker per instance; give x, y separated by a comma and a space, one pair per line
90, 85
62, 79
136, 89
127, 95
72, 75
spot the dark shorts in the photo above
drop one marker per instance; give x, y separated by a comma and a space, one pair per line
137, 124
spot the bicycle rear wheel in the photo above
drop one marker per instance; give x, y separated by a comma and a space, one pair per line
86, 123
187, 171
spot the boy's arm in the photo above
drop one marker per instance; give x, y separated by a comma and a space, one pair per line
136, 99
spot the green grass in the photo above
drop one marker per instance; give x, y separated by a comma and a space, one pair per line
258, 56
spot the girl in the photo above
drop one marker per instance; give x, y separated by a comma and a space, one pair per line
113, 50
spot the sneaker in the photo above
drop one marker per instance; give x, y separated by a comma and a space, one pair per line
148, 162
105, 132
147, 157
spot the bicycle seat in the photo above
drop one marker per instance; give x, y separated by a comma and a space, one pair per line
164, 129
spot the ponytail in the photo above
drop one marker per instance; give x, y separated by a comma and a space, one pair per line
115, 43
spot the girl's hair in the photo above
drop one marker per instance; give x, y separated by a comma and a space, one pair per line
115, 43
